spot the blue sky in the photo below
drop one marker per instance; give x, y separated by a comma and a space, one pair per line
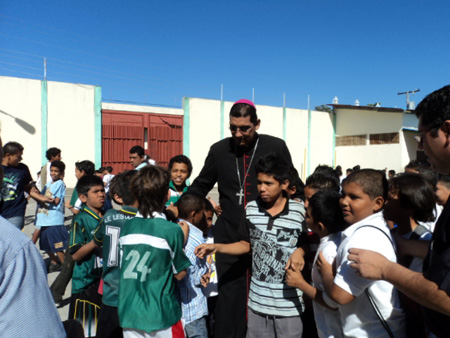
156, 52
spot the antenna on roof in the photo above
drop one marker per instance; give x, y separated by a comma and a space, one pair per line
409, 104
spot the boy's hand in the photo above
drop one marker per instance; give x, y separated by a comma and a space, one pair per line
204, 250
296, 260
205, 279
294, 277
217, 207
323, 266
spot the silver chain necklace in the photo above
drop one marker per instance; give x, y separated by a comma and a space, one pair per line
241, 185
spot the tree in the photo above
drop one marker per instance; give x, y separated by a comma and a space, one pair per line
324, 107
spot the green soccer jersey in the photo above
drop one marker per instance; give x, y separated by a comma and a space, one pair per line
151, 253
89, 269
107, 235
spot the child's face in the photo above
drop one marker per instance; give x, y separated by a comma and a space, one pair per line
55, 174
95, 198
356, 204
312, 225
209, 218
179, 174
441, 193
13, 160
393, 210
269, 188
79, 173
309, 192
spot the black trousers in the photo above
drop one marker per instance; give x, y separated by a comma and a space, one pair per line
231, 307
59, 285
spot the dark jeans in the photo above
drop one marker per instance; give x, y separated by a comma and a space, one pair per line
197, 329
59, 286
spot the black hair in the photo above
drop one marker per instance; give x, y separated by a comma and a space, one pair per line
372, 182
120, 186
52, 152
12, 148
181, 159
434, 109
424, 169
244, 110
338, 170
109, 169
273, 165
414, 192
58, 164
87, 182
190, 202
323, 181
444, 180
137, 150
296, 181
209, 206
356, 168
150, 187
392, 172
87, 166
349, 170
329, 173
325, 208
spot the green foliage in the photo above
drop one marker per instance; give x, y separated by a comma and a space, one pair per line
324, 107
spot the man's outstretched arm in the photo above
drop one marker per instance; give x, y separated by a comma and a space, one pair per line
372, 265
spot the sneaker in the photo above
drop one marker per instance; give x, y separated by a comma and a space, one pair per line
55, 267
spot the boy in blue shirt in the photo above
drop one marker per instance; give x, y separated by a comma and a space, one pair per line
53, 236
191, 209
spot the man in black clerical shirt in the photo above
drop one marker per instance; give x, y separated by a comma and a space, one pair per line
231, 164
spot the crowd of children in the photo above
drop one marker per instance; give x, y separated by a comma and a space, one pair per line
136, 273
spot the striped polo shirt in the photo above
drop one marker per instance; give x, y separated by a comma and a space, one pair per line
273, 239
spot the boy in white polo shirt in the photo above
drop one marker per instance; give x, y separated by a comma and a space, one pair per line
368, 308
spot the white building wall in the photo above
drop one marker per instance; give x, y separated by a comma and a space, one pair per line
204, 121
356, 122
71, 124
20, 116
321, 146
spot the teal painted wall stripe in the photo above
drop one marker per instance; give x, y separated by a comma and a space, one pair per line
284, 124
333, 155
308, 166
222, 119
186, 128
98, 125
44, 121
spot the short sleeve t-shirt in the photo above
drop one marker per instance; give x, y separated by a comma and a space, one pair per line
89, 270
15, 179
151, 253
49, 214
107, 235
273, 239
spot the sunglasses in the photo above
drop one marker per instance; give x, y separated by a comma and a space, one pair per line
243, 129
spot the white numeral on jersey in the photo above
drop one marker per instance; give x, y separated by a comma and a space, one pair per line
113, 234
141, 267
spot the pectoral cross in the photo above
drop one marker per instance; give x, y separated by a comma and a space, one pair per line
240, 194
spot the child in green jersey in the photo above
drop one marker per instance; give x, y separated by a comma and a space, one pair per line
152, 258
85, 300
107, 235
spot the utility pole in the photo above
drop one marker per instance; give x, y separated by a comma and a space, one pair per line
409, 104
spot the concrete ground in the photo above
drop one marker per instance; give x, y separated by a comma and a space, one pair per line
29, 229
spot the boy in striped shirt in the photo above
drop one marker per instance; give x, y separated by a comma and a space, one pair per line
273, 230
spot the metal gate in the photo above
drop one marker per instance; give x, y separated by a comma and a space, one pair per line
160, 135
